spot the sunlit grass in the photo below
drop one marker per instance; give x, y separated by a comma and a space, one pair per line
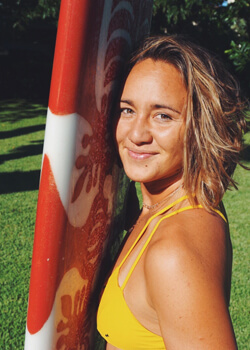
237, 205
21, 138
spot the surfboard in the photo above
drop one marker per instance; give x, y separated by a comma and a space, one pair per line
81, 193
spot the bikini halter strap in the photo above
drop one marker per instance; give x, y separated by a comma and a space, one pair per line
154, 229
148, 222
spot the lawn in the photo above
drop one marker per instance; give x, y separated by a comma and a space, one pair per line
21, 141
21, 138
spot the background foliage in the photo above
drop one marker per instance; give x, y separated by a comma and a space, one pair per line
28, 31
221, 26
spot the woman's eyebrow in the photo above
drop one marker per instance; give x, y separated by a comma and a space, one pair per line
166, 107
154, 106
129, 102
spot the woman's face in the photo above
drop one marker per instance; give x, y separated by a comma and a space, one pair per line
150, 127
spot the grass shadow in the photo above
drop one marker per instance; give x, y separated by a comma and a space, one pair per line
245, 154
13, 111
21, 131
24, 151
19, 181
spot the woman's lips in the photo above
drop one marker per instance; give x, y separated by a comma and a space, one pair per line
140, 155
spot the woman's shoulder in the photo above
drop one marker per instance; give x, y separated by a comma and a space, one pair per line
192, 226
190, 239
186, 268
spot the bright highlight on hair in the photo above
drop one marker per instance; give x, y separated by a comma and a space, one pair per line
214, 119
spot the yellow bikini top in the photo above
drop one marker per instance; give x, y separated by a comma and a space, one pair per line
115, 322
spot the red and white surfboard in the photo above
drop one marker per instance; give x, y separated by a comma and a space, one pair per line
79, 177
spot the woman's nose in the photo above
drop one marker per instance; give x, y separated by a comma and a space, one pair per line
140, 132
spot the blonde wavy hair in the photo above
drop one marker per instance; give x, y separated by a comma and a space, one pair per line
215, 121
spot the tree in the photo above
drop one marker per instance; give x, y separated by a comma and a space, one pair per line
27, 41
221, 26
22, 12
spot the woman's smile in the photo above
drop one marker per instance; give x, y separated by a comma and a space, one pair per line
140, 154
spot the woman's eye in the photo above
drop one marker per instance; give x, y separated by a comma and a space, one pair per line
126, 111
163, 117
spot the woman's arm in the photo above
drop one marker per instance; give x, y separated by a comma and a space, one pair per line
185, 273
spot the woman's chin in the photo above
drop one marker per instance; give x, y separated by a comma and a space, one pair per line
138, 176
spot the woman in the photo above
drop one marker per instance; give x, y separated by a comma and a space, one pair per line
179, 135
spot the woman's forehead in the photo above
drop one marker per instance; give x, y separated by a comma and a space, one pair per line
156, 82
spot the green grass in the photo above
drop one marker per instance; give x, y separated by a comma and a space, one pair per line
21, 138
237, 204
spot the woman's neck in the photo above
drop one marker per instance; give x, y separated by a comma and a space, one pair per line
153, 197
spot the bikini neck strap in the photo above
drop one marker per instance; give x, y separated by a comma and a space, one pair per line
171, 205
